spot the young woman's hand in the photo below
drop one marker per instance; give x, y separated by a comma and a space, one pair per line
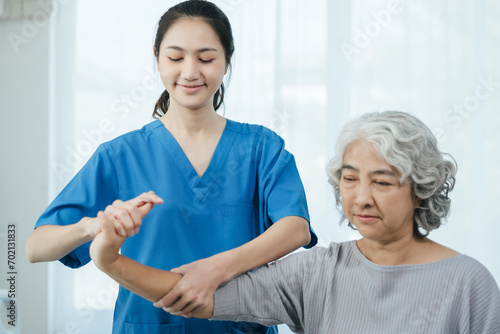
127, 216
90, 226
195, 291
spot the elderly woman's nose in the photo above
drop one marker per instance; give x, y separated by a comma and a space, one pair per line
364, 195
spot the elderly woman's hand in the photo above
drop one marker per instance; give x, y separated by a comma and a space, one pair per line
119, 221
106, 245
127, 216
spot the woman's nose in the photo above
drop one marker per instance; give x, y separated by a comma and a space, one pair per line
190, 69
364, 196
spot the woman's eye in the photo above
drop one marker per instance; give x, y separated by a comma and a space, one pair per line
349, 179
175, 59
381, 183
206, 61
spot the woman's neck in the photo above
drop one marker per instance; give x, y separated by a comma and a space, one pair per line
405, 250
192, 122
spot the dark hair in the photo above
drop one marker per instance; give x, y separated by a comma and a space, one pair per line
209, 13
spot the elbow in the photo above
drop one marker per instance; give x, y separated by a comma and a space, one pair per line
32, 259
30, 251
304, 234
33, 250
307, 239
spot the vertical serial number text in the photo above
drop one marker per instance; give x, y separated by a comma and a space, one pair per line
11, 274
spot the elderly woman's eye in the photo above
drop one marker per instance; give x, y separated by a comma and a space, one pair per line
381, 183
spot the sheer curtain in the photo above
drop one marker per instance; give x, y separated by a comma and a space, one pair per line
301, 68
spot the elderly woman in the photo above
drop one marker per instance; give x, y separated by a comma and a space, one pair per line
392, 183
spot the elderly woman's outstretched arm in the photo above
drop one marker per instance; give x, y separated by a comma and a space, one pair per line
147, 282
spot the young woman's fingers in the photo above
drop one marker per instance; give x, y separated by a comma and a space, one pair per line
179, 307
107, 225
189, 310
149, 197
188, 313
120, 214
143, 204
169, 299
120, 230
128, 215
138, 214
134, 214
145, 209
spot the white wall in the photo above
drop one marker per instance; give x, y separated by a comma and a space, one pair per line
24, 110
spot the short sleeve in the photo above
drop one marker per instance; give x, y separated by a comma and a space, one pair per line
280, 186
92, 189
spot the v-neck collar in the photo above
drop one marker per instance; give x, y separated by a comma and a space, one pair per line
199, 185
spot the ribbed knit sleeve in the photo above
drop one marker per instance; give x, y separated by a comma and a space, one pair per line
275, 293
483, 299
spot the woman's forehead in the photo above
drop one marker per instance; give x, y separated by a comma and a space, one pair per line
362, 156
191, 34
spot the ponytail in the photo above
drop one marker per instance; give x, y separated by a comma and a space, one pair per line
219, 97
161, 105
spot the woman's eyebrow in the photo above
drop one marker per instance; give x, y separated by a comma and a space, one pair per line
178, 48
347, 166
382, 171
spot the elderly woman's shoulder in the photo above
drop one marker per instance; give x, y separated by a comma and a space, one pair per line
329, 253
474, 268
432, 251
435, 252
465, 265
474, 276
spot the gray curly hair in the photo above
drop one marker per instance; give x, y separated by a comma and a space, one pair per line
408, 145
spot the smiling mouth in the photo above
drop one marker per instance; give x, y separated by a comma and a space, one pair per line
190, 88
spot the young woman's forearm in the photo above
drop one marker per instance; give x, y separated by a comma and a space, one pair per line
283, 237
52, 242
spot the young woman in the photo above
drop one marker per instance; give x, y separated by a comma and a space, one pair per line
228, 195
391, 183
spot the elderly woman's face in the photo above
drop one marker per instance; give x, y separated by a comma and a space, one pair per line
373, 199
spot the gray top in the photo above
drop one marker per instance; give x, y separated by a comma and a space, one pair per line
338, 290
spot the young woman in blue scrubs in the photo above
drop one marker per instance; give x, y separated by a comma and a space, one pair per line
227, 196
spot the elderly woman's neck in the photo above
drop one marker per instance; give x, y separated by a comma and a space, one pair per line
403, 251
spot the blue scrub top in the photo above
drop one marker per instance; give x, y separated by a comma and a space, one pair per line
251, 182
